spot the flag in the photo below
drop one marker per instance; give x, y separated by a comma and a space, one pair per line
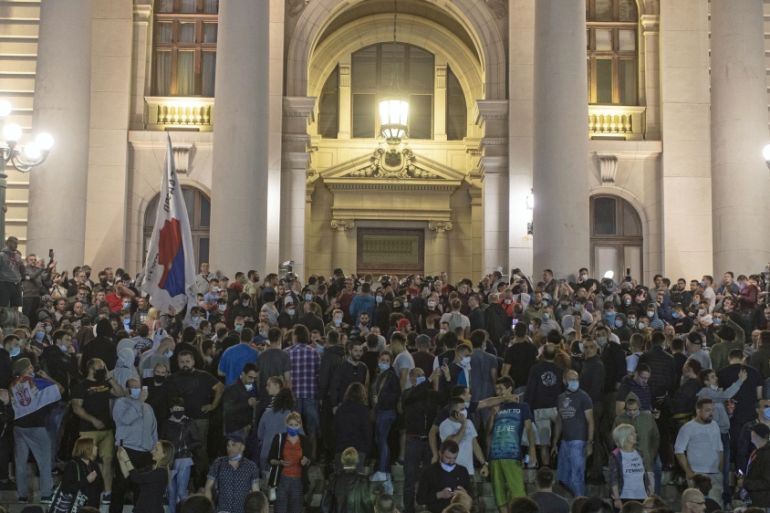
29, 394
169, 273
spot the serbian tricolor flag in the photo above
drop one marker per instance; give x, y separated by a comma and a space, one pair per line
29, 394
169, 273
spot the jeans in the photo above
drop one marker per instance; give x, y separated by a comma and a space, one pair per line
179, 482
53, 427
417, 458
571, 469
383, 423
201, 454
36, 440
289, 495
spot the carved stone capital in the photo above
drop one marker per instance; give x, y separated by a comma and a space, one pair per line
650, 23
342, 225
440, 226
608, 167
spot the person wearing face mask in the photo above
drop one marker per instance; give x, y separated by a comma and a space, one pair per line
363, 302
243, 308
136, 431
698, 447
160, 355
289, 461
234, 358
387, 392
289, 315
239, 401
157, 392
745, 445
711, 390
102, 347
647, 434
543, 388
459, 428
233, 477
181, 432
91, 404
573, 434
442, 480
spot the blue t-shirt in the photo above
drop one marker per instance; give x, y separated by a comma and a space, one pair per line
234, 359
507, 431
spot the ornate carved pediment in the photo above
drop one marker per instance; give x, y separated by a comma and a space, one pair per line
392, 165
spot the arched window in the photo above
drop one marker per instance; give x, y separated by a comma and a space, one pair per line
184, 47
612, 51
198, 211
456, 110
616, 237
386, 68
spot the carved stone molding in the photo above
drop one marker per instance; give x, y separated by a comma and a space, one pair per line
440, 226
650, 23
608, 167
342, 225
182, 156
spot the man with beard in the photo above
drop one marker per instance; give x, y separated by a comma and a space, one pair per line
698, 447
353, 370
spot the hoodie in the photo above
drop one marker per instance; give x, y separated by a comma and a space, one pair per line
124, 368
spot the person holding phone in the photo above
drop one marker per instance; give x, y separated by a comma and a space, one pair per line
442, 480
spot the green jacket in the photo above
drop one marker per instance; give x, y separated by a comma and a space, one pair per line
720, 352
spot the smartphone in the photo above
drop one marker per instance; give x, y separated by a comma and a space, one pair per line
444, 361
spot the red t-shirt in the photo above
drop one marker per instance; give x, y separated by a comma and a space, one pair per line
292, 452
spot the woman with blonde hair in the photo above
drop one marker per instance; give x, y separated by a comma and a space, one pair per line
629, 480
288, 457
81, 474
149, 483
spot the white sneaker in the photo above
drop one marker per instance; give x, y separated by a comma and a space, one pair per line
378, 476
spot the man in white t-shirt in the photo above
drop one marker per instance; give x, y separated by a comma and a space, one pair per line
459, 428
698, 447
403, 362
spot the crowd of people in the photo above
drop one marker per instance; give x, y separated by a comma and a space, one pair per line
228, 405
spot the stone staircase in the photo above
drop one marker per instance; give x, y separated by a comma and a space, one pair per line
19, 20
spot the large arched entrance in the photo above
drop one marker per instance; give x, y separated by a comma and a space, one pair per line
616, 237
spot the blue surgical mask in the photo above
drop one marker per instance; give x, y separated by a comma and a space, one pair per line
16, 351
573, 385
249, 387
308, 297
237, 457
766, 412
378, 299
609, 317
717, 321
39, 336
292, 431
168, 354
447, 467
419, 380
383, 366
135, 393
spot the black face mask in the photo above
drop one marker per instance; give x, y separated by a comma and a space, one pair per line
186, 371
100, 374
160, 379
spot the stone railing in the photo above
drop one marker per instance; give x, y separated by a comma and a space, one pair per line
616, 122
163, 112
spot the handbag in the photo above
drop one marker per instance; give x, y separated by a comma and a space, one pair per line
63, 502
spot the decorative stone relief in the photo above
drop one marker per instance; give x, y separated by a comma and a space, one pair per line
342, 225
182, 156
608, 167
393, 164
440, 226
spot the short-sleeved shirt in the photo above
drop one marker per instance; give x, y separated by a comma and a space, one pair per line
572, 407
234, 359
633, 476
96, 397
304, 370
196, 388
232, 484
404, 360
465, 457
507, 429
272, 362
702, 444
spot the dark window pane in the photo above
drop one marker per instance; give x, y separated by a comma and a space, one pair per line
205, 212
420, 116
209, 32
162, 73
456, 111
188, 6
603, 81
164, 32
211, 6
364, 69
421, 70
203, 251
603, 10
627, 10
604, 216
393, 67
328, 107
627, 82
631, 224
208, 73
189, 203
363, 115
165, 5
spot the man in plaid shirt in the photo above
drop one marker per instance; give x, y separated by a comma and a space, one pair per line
304, 382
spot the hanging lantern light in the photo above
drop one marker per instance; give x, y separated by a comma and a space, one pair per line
394, 118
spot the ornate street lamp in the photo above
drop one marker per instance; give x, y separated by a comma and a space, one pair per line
23, 157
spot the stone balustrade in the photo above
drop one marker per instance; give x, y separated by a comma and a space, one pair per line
616, 122
182, 113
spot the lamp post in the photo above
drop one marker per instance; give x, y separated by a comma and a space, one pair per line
23, 157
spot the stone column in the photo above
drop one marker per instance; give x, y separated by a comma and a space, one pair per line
560, 217
343, 119
492, 117
441, 260
57, 191
240, 190
651, 74
439, 102
738, 133
685, 103
296, 113
343, 245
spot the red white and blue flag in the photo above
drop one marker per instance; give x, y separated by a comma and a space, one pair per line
169, 274
29, 394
